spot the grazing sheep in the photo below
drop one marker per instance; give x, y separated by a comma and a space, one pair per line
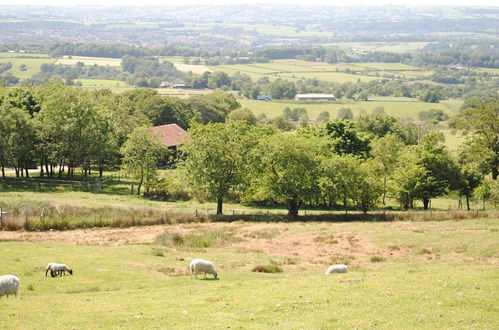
336, 269
9, 284
202, 266
57, 269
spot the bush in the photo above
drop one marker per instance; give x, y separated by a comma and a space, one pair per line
377, 259
270, 268
207, 239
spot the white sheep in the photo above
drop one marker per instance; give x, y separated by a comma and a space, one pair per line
9, 284
57, 269
202, 266
340, 268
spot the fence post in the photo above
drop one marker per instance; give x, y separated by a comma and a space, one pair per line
196, 214
131, 190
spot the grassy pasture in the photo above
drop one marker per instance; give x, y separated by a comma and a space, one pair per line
401, 108
297, 69
100, 82
22, 55
32, 62
402, 275
87, 60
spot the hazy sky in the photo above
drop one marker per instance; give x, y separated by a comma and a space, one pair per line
221, 2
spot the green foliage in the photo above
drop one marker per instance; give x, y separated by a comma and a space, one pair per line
386, 152
141, 154
243, 114
285, 169
282, 123
434, 115
282, 89
206, 239
481, 123
217, 159
323, 117
270, 268
344, 114
345, 139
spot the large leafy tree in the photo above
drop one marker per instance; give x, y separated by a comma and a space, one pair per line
141, 154
345, 139
217, 158
481, 123
434, 158
386, 152
286, 169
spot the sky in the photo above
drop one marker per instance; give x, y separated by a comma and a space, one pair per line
494, 3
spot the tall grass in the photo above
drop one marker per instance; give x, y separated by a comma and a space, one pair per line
203, 240
43, 216
40, 216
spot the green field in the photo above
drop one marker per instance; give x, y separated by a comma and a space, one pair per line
32, 62
296, 69
402, 275
88, 60
100, 82
395, 47
394, 107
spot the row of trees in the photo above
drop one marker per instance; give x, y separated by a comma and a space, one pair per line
331, 164
60, 129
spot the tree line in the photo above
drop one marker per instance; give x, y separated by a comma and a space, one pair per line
60, 129
344, 163
232, 155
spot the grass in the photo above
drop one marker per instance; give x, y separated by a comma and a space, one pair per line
297, 69
87, 60
270, 268
100, 82
125, 286
206, 239
400, 108
32, 65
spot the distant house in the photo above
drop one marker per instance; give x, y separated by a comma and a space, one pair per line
180, 85
315, 97
170, 84
264, 97
171, 135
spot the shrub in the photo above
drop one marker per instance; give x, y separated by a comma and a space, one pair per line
207, 239
377, 259
271, 268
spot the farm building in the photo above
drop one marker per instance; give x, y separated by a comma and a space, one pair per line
264, 97
171, 135
315, 97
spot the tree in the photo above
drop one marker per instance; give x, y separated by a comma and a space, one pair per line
481, 124
243, 114
282, 123
18, 139
323, 117
338, 177
408, 179
345, 139
285, 170
484, 191
368, 188
433, 156
345, 114
141, 153
282, 89
386, 152
217, 158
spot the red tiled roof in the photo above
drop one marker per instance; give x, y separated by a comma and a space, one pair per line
171, 134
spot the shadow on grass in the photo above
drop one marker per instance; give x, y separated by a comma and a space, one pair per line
305, 218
